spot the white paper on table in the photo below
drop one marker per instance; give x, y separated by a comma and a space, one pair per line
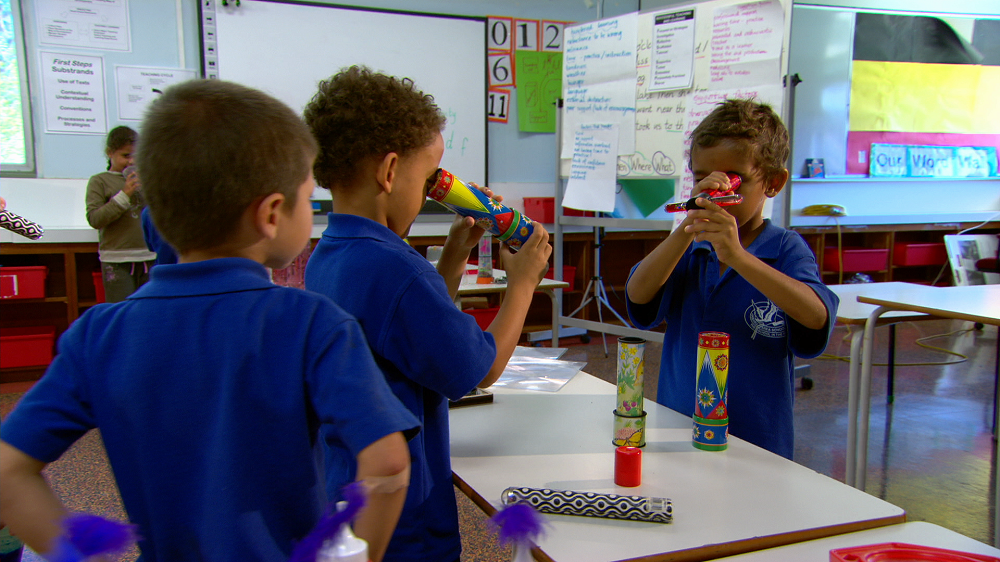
536, 369
594, 168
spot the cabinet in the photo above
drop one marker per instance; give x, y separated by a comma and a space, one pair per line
903, 245
621, 250
69, 289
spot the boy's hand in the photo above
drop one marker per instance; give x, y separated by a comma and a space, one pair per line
718, 227
529, 264
464, 234
716, 183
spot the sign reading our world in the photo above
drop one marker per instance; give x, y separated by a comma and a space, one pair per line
897, 160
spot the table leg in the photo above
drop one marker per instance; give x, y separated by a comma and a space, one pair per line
555, 317
852, 405
864, 397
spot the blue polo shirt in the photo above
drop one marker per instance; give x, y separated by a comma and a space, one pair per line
429, 352
209, 386
165, 253
763, 341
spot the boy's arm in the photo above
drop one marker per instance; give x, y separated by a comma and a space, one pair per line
462, 238
792, 296
654, 270
795, 298
384, 466
27, 504
525, 271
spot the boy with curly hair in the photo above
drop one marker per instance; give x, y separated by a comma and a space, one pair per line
210, 385
380, 144
731, 270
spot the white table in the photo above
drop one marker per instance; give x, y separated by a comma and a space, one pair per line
918, 533
739, 500
854, 313
469, 286
977, 303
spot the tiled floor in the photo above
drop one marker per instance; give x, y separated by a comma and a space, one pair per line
930, 451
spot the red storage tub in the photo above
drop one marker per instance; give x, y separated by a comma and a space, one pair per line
26, 347
856, 259
23, 282
543, 210
569, 275
908, 253
99, 286
484, 316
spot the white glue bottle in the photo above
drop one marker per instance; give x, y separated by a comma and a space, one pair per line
345, 547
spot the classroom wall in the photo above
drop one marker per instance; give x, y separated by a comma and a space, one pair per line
166, 34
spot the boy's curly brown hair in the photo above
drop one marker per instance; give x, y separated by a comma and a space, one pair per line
359, 114
763, 135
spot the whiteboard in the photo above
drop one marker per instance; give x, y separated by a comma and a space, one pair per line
285, 49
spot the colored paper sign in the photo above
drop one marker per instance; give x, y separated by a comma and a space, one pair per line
933, 161
539, 84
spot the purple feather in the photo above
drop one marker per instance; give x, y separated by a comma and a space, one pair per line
87, 535
329, 525
518, 523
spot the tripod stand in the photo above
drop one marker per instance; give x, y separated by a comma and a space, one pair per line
596, 284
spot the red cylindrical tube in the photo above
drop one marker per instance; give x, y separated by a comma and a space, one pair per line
628, 466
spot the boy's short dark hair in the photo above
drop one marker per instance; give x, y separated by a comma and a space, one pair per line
358, 114
209, 150
763, 135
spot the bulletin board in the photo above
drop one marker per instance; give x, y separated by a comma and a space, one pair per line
286, 48
735, 49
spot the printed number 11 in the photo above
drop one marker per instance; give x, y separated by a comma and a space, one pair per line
498, 105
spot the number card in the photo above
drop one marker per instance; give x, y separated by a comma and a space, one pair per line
500, 36
552, 35
501, 69
498, 105
526, 35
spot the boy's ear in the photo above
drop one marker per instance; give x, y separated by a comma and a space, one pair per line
385, 173
266, 215
776, 183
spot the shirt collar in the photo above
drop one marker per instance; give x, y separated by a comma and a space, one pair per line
342, 225
209, 277
767, 245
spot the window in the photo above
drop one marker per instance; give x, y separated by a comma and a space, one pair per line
15, 110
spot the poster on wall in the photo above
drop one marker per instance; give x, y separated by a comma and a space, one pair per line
139, 86
84, 23
73, 94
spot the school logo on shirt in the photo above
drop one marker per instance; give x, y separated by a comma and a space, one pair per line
765, 318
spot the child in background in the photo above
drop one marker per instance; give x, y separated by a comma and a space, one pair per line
211, 385
164, 253
380, 143
731, 270
113, 206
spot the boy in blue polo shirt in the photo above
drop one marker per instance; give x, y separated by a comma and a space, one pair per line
210, 385
380, 142
731, 270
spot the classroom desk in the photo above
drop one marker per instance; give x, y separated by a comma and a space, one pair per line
854, 313
976, 303
918, 533
468, 286
729, 502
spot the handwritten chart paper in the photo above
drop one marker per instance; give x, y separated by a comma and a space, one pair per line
591, 184
746, 45
673, 51
599, 78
